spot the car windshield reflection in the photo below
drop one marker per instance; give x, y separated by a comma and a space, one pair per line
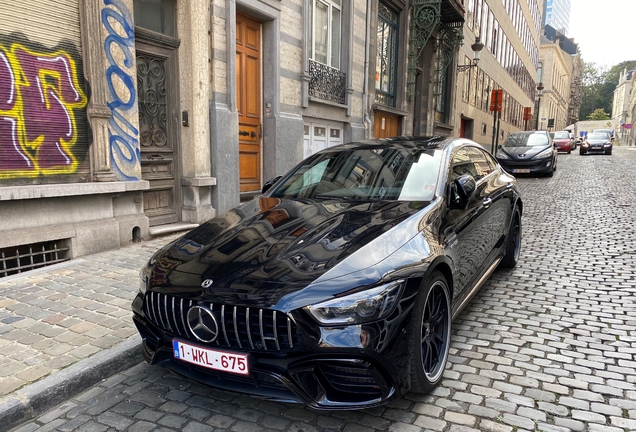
597, 136
527, 139
401, 174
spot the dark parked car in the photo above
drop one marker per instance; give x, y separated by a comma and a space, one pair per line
596, 142
337, 287
563, 141
531, 152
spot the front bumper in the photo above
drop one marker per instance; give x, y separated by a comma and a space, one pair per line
347, 367
527, 167
596, 148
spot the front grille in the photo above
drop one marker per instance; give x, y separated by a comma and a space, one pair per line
241, 327
18, 259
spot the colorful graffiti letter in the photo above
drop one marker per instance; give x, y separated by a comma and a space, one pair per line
123, 135
39, 98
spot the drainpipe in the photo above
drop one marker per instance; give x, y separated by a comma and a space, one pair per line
365, 92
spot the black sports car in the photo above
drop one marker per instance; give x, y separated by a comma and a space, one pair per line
337, 287
597, 142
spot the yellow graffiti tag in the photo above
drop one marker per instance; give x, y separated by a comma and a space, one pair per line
39, 96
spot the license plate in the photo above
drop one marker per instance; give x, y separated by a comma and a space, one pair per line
211, 359
521, 170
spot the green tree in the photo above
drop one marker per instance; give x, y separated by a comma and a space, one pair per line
599, 84
599, 114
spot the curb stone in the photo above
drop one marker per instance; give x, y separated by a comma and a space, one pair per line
35, 399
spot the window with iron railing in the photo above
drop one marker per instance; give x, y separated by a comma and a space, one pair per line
324, 35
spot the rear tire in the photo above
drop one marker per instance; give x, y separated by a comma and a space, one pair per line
513, 241
430, 334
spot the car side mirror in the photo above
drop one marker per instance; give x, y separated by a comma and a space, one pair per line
268, 184
465, 187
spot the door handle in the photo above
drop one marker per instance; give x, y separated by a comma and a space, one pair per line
487, 202
155, 157
244, 133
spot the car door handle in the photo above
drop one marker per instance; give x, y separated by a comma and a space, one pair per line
487, 202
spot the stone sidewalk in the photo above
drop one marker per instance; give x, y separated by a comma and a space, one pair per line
67, 326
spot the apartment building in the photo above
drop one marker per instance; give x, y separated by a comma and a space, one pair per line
509, 31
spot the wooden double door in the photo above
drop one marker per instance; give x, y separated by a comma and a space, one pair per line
385, 125
248, 97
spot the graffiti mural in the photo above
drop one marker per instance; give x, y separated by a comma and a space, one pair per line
40, 101
119, 47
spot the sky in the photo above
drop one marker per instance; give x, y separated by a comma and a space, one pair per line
605, 30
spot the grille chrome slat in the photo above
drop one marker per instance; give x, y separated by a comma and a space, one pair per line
236, 332
247, 324
289, 333
249, 334
182, 313
275, 324
260, 326
174, 316
227, 340
165, 312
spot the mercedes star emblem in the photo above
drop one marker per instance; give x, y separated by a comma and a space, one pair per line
207, 283
202, 324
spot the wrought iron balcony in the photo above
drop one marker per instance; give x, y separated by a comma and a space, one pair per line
327, 83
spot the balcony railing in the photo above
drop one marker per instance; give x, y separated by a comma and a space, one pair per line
326, 82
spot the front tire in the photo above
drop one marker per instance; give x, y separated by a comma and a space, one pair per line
581, 152
430, 334
513, 241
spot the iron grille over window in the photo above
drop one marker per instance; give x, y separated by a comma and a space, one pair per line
326, 82
18, 259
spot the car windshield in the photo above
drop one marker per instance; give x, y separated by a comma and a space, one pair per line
530, 139
597, 136
385, 173
561, 135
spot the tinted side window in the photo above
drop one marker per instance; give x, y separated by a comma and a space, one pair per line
482, 166
462, 164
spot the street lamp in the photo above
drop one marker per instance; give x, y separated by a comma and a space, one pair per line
540, 92
476, 47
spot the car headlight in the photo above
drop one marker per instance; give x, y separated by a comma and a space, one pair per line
502, 155
545, 154
359, 307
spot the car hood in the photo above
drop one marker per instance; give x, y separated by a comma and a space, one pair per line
561, 141
597, 141
270, 250
522, 153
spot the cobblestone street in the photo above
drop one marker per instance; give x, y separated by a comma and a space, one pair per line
548, 346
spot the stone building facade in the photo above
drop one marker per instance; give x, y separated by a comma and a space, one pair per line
509, 59
123, 118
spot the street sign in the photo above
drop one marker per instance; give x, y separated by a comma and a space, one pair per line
527, 113
496, 100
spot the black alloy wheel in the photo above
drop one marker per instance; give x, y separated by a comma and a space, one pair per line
430, 334
513, 242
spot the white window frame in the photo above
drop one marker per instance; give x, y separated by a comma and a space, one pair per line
331, 5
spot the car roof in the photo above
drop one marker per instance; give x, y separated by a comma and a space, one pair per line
423, 142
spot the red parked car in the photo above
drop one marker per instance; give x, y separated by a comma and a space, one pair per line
563, 141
